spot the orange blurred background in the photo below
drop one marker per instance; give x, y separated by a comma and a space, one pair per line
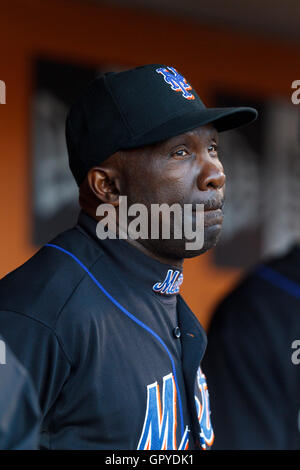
92, 34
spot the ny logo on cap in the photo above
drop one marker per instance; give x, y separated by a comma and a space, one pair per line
177, 81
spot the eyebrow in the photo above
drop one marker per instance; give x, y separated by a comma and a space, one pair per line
215, 134
182, 138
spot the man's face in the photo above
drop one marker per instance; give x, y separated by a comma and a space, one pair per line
185, 170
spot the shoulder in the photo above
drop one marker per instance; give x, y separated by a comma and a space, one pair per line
41, 287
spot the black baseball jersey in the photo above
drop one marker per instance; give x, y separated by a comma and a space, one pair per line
19, 410
253, 380
113, 350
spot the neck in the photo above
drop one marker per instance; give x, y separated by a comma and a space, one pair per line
162, 259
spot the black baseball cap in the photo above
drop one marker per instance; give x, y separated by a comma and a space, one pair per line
138, 107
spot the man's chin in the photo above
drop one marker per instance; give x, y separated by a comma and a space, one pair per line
211, 237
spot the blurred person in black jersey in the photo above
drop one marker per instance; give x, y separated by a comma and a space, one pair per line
251, 362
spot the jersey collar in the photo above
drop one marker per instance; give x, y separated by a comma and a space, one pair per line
139, 269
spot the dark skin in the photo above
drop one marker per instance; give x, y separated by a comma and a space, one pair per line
184, 169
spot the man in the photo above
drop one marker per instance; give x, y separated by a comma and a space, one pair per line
19, 410
113, 349
252, 360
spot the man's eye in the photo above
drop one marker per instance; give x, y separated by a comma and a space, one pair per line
180, 153
213, 148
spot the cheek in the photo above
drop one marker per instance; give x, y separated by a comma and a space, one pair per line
158, 189
182, 182
153, 182
172, 189
175, 184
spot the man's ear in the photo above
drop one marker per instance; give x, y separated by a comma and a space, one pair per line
103, 181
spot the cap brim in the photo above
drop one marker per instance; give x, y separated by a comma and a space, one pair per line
226, 119
223, 119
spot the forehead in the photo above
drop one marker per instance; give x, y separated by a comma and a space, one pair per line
199, 134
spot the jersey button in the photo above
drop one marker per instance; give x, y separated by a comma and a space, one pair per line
177, 332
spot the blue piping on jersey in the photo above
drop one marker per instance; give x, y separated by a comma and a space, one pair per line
278, 280
132, 317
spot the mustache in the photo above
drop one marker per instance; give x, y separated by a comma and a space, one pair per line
211, 204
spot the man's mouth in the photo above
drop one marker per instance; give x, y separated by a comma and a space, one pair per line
210, 205
213, 217
213, 214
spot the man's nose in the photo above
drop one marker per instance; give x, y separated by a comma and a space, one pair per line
211, 177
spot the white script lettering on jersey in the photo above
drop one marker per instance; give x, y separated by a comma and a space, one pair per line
171, 283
